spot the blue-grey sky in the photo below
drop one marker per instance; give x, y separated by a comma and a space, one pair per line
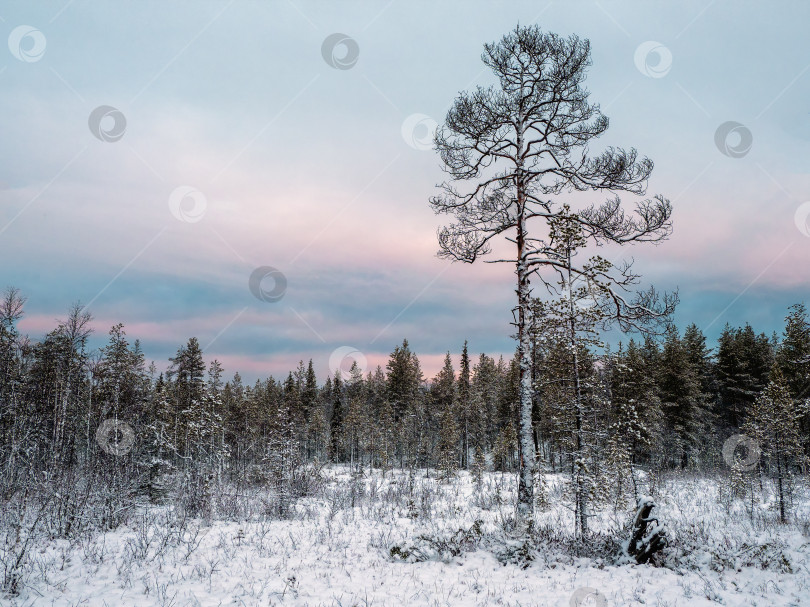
230, 143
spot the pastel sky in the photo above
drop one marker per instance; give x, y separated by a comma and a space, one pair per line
318, 171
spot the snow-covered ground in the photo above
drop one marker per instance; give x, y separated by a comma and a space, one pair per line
395, 541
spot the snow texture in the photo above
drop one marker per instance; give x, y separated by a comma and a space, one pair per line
334, 554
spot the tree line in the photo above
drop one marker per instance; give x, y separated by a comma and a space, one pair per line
605, 416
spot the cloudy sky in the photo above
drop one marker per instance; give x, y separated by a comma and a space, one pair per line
153, 155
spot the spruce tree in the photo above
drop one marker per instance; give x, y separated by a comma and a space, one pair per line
486, 380
793, 358
338, 415
309, 402
464, 406
774, 421
404, 391
637, 418
681, 399
505, 427
356, 425
443, 397
743, 364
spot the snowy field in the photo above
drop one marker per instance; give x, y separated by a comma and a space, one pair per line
400, 540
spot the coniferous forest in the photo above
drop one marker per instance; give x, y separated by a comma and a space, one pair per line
71, 416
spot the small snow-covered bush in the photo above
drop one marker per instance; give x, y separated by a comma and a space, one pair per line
439, 547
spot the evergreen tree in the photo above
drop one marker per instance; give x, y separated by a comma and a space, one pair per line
743, 363
121, 377
700, 356
504, 453
338, 416
729, 372
464, 406
443, 397
235, 423
356, 425
637, 416
404, 379
681, 398
215, 415
773, 421
404, 389
187, 372
309, 403
486, 382
793, 358
382, 420
282, 455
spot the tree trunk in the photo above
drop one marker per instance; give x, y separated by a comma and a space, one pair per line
644, 540
526, 438
782, 517
581, 513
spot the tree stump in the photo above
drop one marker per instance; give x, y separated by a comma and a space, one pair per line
648, 535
